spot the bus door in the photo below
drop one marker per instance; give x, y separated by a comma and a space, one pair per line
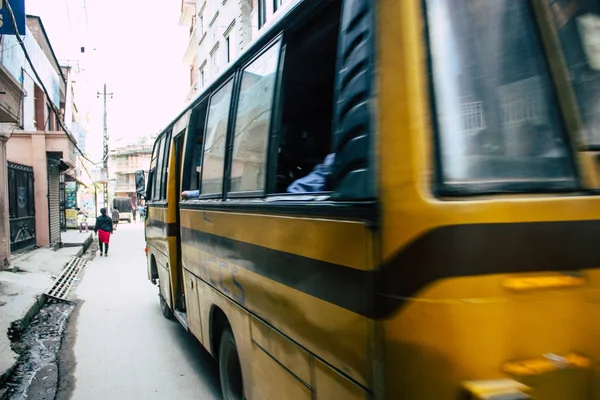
180, 295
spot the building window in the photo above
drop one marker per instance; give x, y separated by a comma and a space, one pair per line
228, 49
230, 42
262, 13
214, 60
49, 117
39, 105
277, 4
202, 81
200, 26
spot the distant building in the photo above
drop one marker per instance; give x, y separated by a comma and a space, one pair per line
220, 31
122, 164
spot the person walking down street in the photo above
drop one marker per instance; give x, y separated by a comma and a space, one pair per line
142, 212
134, 212
115, 218
103, 228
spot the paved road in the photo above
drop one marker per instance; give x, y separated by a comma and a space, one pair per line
122, 347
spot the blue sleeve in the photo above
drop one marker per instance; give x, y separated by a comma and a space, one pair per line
315, 181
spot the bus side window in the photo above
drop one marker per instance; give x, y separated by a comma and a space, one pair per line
307, 103
165, 167
215, 140
157, 178
195, 142
253, 123
152, 174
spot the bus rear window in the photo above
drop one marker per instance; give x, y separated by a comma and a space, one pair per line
499, 126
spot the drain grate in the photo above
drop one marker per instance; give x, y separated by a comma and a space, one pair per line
62, 286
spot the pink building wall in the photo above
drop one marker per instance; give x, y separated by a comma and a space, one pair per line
30, 149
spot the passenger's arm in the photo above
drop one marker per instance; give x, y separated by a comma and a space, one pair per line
190, 194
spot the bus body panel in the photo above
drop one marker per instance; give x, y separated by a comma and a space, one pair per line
231, 253
469, 316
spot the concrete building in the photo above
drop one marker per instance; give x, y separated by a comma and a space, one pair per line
38, 150
220, 30
122, 164
11, 94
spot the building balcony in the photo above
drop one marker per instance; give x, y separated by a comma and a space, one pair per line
188, 9
56, 142
10, 97
190, 51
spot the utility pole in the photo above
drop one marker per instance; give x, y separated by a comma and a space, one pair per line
104, 94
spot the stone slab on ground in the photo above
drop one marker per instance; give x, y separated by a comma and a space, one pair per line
21, 292
72, 237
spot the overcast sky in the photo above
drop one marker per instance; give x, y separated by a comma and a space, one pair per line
136, 47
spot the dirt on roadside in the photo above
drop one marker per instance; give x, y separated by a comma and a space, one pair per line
36, 373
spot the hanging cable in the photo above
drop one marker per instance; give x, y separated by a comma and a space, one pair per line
54, 109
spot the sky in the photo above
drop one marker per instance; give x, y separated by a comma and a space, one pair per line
135, 47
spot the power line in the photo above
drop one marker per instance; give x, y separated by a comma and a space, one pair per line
69, 16
54, 109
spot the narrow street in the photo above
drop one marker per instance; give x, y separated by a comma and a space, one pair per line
119, 346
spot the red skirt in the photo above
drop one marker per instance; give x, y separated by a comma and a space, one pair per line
103, 236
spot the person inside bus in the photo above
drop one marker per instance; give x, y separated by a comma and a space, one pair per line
316, 180
190, 194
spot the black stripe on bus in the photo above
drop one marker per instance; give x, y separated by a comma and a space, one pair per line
171, 228
484, 249
346, 287
445, 252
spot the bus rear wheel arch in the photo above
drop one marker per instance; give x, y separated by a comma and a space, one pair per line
224, 349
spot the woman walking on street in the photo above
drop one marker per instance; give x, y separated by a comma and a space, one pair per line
103, 228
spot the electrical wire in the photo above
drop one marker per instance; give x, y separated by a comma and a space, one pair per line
54, 109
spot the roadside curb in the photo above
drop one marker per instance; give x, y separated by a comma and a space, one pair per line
85, 245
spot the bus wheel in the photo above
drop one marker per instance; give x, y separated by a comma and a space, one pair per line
230, 369
164, 308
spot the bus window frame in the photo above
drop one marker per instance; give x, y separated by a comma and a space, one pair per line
275, 106
268, 200
190, 132
232, 77
158, 170
181, 134
165, 170
442, 189
276, 121
152, 173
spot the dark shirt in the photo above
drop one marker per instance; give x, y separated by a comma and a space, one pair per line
103, 223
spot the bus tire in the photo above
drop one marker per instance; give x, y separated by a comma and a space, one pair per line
230, 369
164, 308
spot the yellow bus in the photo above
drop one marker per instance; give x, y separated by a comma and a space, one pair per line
392, 199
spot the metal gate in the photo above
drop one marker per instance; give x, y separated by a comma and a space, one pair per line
54, 201
21, 205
